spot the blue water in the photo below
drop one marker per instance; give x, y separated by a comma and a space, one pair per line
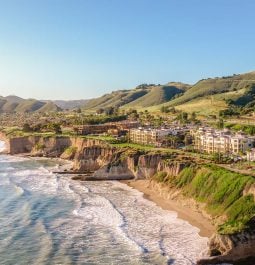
50, 219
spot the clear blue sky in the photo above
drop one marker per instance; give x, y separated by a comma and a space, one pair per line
59, 49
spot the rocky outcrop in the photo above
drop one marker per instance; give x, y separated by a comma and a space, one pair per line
231, 248
37, 145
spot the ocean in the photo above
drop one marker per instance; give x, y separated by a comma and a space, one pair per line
47, 218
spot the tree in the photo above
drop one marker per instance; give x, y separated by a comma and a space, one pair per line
100, 111
164, 109
26, 128
109, 111
182, 117
116, 110
173, 140
217, 157
55, 127
220, 124
193, 116
130, 111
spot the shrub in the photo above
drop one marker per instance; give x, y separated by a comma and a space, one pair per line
39, 147
70, 150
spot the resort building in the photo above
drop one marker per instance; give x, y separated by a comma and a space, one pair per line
93, 129
148, 136
126, 124
209, 140
114, 128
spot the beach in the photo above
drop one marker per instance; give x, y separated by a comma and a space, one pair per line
63, 221
193, 217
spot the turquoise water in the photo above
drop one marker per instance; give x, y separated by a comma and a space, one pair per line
51, 219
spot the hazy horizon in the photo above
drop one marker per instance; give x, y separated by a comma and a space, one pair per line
82, 49
73, 99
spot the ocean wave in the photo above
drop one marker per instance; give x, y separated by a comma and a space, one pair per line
2, 146
169, 233
93, 222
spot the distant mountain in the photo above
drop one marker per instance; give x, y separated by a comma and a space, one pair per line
12, 104
70, 104
142, 96
207, 96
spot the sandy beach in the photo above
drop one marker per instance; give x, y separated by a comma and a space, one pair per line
193, 217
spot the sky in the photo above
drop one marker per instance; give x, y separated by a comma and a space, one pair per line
73, 49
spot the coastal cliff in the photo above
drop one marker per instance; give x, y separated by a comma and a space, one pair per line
237, 248
224, 197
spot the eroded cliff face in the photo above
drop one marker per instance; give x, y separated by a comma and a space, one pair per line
231, 248
115, 163
37, 145
95, 155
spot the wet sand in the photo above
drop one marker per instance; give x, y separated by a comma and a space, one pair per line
190, 215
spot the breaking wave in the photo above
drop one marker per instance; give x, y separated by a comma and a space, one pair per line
57, 220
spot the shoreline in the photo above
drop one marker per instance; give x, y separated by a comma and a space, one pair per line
188, 214
193, 217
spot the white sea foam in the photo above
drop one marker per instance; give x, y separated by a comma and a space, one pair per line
12, 159
144, 221
110, 223
2, 146
4, 180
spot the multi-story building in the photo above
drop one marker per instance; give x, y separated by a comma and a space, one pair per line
110, 127
208, 140
148, 136
93, 129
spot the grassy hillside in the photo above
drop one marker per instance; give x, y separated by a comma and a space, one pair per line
70, 104
49, 106
208, 96
29, 105
212, 86
210, 104
116, 98
14, 99
11, 104
157, 95
221, 190
141, 96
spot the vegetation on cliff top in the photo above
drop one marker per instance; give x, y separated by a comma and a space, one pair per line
221, 191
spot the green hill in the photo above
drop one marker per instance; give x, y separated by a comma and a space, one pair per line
116, 98
142, 96
12, 104
70, 104
209, 96
158, 95
212, 86
48, 107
